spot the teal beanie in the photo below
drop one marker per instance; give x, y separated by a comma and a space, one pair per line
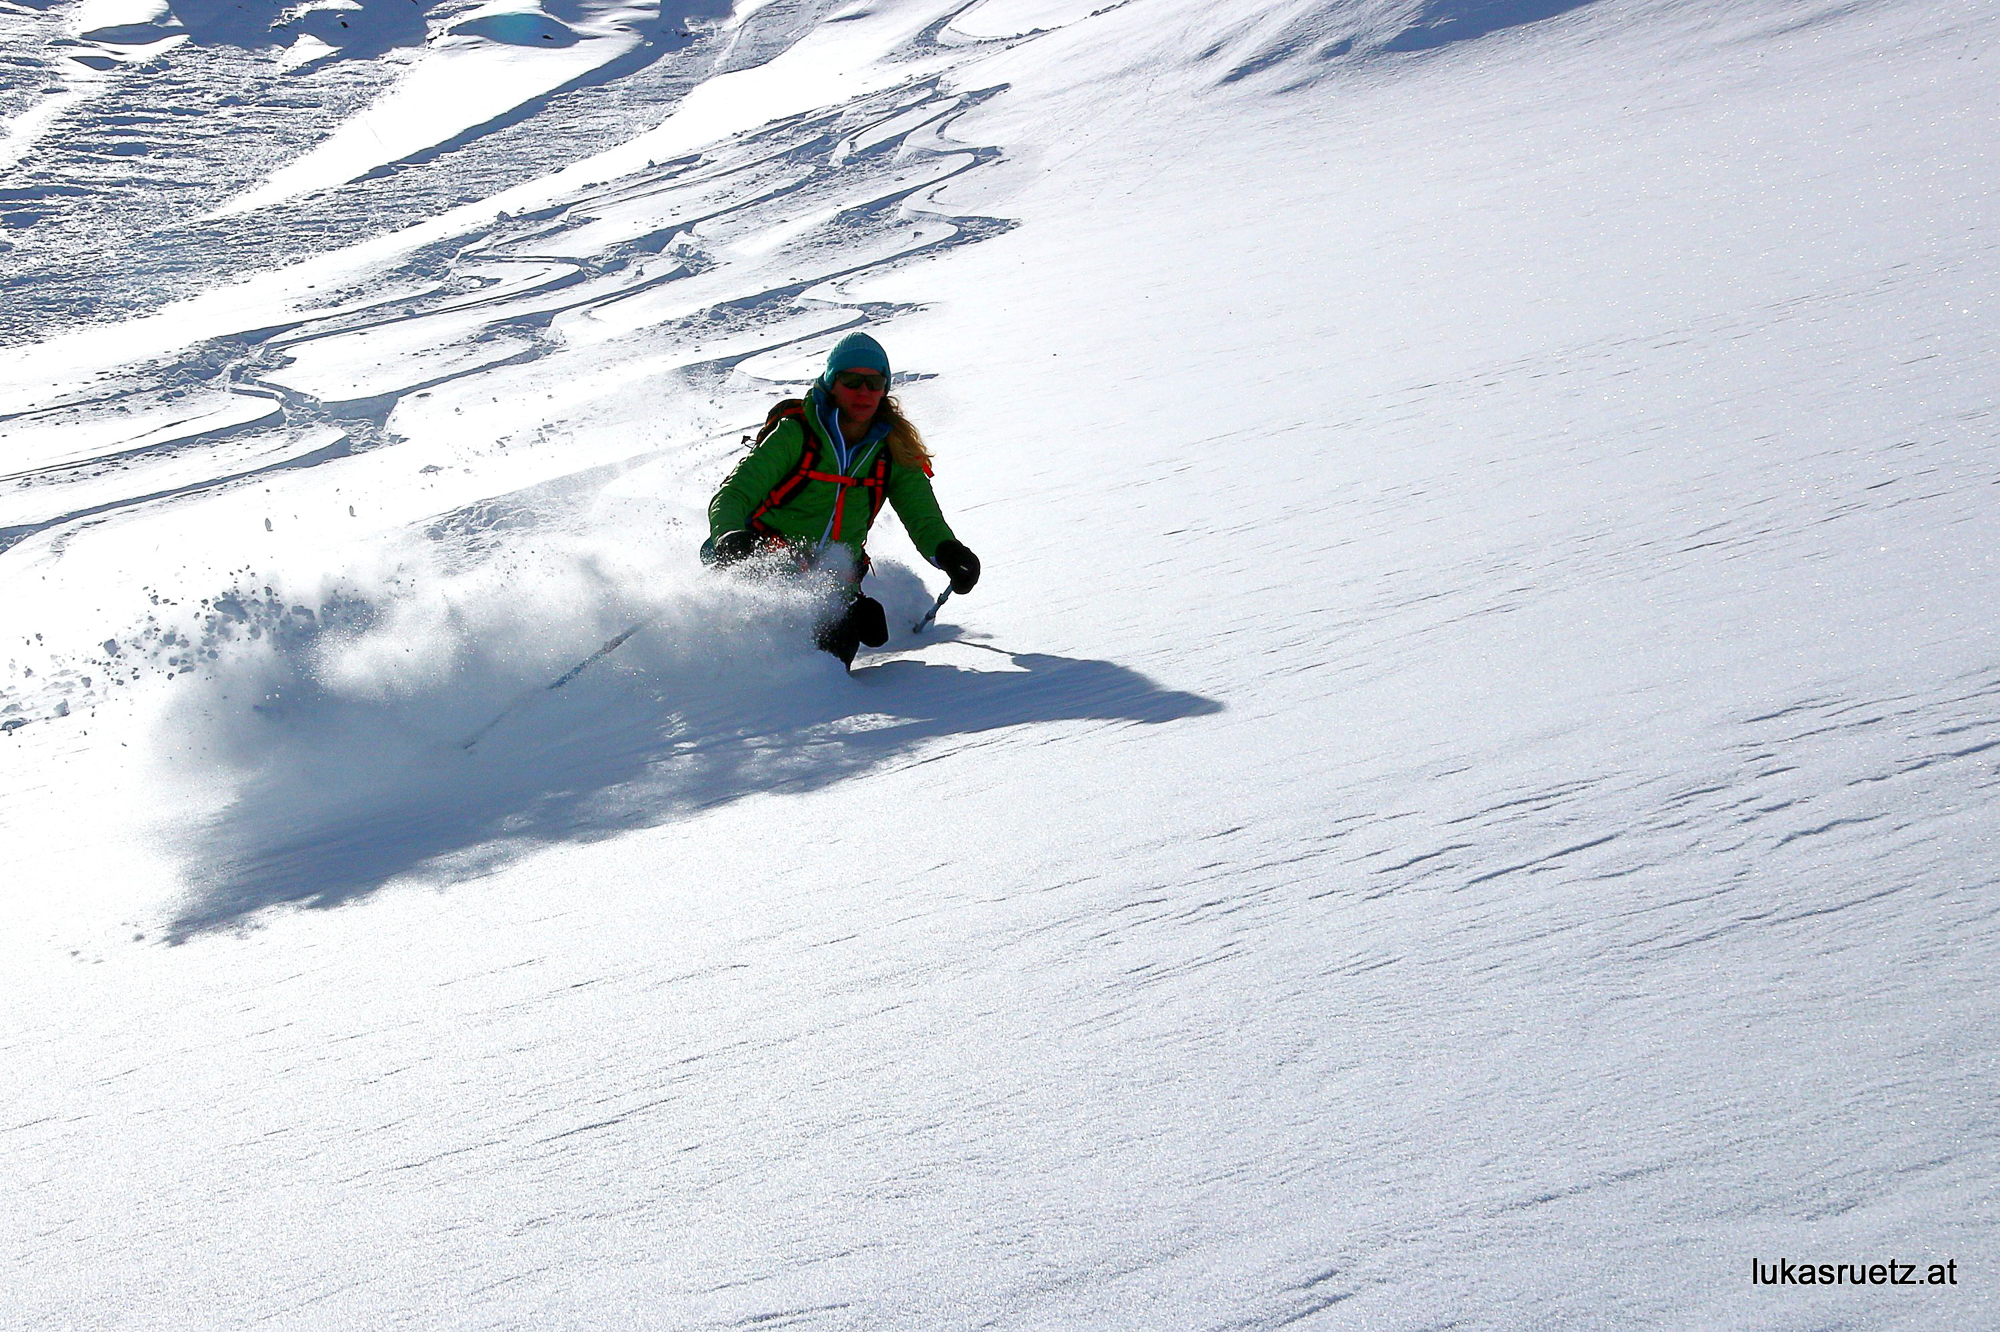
856, 351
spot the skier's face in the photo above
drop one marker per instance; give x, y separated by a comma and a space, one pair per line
857, 394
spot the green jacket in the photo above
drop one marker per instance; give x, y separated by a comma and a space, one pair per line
806, 519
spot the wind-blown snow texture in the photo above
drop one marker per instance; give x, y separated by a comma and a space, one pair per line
1466, 797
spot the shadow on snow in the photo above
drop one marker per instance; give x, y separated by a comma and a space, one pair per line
1443, 22
321, 825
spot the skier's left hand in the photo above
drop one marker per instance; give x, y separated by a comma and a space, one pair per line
961, 564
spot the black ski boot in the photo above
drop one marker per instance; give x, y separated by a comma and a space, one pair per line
862, 622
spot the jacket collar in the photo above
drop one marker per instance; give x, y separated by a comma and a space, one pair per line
825, 419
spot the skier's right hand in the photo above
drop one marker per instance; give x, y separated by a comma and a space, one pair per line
961, 564
730, 548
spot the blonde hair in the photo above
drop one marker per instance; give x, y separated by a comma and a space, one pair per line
906, 444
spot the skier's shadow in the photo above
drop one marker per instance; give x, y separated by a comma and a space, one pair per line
318, 828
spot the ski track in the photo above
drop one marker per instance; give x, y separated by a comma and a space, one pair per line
106, 214
511, 298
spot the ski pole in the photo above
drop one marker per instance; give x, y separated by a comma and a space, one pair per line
610, 646
931, 614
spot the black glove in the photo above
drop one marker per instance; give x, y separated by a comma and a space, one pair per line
960, 563
730, 548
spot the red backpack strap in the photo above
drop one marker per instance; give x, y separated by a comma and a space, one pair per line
877, 482
793, 409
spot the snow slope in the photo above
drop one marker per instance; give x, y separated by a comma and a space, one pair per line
1465, 797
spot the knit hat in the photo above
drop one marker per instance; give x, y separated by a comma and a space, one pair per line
856, 351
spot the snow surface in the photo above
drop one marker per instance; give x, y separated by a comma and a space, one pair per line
1466, 796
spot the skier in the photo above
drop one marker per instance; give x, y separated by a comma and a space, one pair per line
819, 474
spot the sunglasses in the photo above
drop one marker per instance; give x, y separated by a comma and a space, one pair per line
855, 379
